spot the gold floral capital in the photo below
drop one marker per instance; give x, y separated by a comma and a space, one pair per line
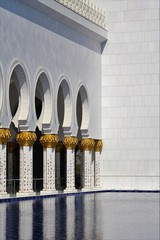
87, 144
98, 145
26, 138
49, 140
70, 142
4, 135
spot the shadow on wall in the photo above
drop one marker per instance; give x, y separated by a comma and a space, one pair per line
17, 7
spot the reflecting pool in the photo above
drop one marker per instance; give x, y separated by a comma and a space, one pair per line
99, 216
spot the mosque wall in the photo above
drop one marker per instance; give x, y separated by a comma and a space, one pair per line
130, 95
40, 43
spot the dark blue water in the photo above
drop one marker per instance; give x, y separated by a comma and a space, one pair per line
100, 216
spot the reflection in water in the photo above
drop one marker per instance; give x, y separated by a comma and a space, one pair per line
49, 218
2, 220
25, 220
103, 216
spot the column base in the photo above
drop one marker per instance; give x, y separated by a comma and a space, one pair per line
25, 194
4, 195
48, 192
70, 190
87, 189
97, 188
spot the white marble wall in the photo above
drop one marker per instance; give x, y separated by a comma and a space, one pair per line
130, 95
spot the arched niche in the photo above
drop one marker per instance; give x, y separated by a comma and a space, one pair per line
43, 106
64, 107
82, 110
18, 95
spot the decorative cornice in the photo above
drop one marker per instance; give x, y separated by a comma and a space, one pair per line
87, 10
70, 142
87, 144
4, 135
98, 145
49, 140
26, 138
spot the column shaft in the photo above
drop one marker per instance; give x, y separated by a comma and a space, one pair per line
2, 169
49, 169
49, 142
4, 136
87, 146
87, 169
97, 148
70, 183
70, 144
26, 141
26, 169
97, 169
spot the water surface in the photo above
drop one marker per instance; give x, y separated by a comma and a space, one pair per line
100, 216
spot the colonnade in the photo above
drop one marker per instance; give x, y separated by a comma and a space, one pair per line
51, 154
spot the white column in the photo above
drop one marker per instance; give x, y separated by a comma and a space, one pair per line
4, 135
49, 142
87, 183
26, 141
70, 183
92, 169
98, 149
70, 144
87, 145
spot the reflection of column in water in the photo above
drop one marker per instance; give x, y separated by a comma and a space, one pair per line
98, 213
79, 217
70, 217
2, 221
25, 219
12, 220
89, 217
60, 216
49, 218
